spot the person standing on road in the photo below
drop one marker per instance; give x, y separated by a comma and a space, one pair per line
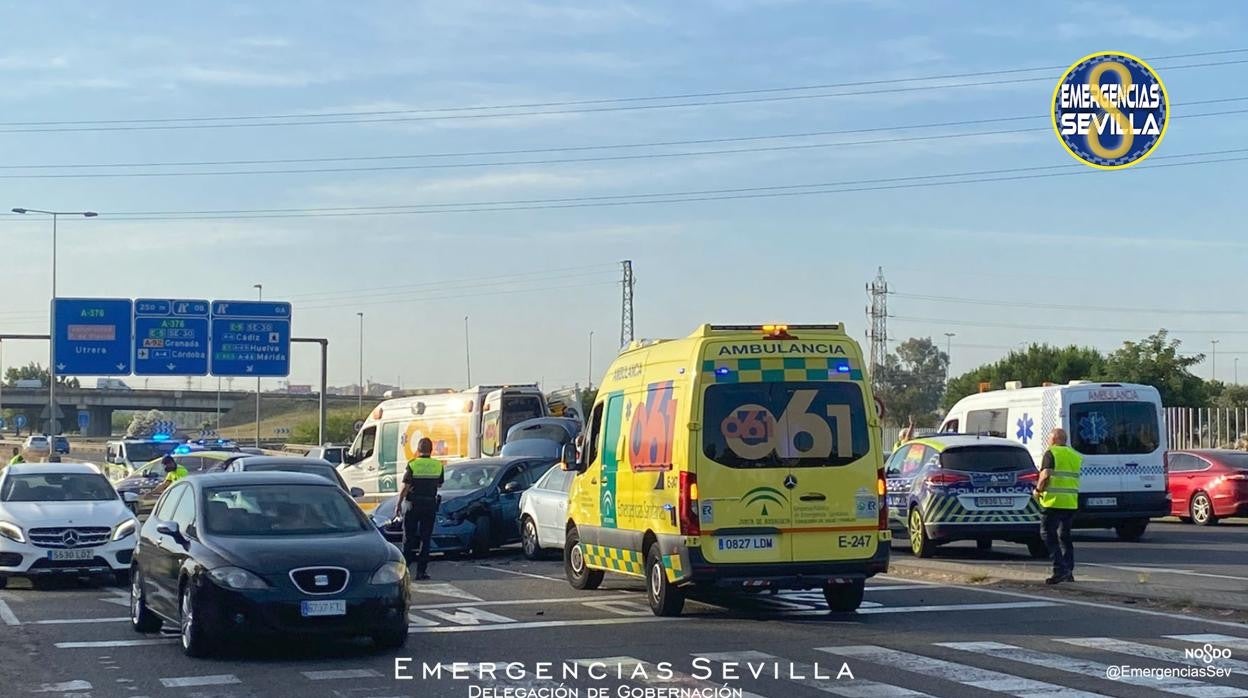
17, 457
173, 473
420, 491
1058, 491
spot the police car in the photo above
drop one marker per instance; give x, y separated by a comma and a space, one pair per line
954, 487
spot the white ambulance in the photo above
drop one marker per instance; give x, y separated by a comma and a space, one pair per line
1117, 427
468, 424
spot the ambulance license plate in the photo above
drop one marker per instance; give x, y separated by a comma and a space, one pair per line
75, 554
746, 543
1102, 501
336, 607
994, 501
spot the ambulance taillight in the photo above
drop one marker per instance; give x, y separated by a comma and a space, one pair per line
688, 505
881, 487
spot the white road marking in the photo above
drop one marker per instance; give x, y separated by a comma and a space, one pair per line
113, 643
470, 616
118, 602
63, 687
1091, 604
522, 602
847, 688
450, 590
1231, 641
188, 681
339, 674
1164, 570
76, 621
1096, 670
528, 625
620, 607
897, 587
523, 574
6, 614
954, 672
1162, 654
636, 671
865, 610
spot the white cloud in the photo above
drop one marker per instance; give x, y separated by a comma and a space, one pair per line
263, 42
242, 77
30, 63
479, 186
1015, 238
1102, 19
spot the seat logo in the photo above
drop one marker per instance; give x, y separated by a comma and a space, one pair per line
321, 580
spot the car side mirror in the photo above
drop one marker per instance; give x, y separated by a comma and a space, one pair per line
357, 492
170, 528
130, 497
567, 458
512, 486
349, 458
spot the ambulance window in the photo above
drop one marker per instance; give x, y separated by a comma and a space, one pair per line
987, 422
595, 429
1114, 428
490, 434
365, 442
950, 427
389, 444
785, 425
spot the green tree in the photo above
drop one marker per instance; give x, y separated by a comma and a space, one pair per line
1038, 364
143, 424
1227, 396
1156, 361
911, 381
339, 428
36, 371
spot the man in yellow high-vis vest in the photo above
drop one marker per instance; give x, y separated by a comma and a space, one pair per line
420, 491
1058, 491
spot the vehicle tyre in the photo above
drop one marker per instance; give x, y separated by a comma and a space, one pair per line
1038, 548
4, 582
141, 617
845, 597
121, 577
579, 575
196, 640
528, 539
1132, 530
1201, 509
480, 546
983, 545
666, 599
391, 639
920, 544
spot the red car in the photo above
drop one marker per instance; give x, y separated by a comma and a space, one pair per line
1208, 484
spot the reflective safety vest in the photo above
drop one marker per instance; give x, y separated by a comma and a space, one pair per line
430, 468
176, 475
1062, 489
16, 460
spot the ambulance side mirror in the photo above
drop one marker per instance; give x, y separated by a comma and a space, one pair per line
568, 460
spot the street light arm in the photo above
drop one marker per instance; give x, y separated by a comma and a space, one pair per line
85, 214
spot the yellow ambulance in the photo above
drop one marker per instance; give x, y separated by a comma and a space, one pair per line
741, 457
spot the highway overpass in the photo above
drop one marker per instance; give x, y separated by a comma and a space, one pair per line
100, 404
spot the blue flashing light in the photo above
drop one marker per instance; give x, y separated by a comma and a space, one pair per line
842, 368
160, 437
721, 371
182, 449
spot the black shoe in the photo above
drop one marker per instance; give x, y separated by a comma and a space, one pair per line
1055, 580
422, 576
1069, 578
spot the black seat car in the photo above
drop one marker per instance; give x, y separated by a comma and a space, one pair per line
293, 464
228, 555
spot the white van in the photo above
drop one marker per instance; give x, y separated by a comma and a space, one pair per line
1116, 427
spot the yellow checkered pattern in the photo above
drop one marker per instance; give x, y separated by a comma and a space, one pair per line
774, 369
613, 559
672, 564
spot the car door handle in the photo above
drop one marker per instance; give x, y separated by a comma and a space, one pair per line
593, 481
813, 497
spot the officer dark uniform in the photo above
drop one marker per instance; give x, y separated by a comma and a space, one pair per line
420, 490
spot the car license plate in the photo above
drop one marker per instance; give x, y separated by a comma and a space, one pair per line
994, 501
1102, 501
746, 543
76, 554
336, 607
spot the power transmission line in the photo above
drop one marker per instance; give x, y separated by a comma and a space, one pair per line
618, 146
849, 186
436, 115
1058, 306
1062, 328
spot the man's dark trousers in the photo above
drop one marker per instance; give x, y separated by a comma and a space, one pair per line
1056, 524
418, 525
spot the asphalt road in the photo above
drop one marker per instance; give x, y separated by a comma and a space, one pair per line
909, 639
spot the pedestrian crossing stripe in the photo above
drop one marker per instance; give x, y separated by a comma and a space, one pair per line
780, 369
603, 557
948, 509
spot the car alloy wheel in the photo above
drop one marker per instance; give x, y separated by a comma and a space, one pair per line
136, 598
1202, 509
188, 620
528, 539
577, 559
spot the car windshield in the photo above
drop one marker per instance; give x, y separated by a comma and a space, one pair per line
549, 432
57, 487
142, 452
333, 455
1114, 428
987, 459
324, 471
470, 475
779, 425
533, 448
281, 510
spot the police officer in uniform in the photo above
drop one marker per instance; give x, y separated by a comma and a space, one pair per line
173, 473
17, 457
420, 491
1058, 491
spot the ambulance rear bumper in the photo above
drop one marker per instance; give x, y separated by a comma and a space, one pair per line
785, 575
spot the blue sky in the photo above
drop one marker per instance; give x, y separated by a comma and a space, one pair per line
536, 282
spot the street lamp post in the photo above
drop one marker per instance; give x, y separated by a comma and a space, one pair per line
55, 427
1236, 374
1213, 364
360, 389
948, 352
260, 297
467, 352
590, 383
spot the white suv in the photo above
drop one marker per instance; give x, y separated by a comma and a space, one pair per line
63, 519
